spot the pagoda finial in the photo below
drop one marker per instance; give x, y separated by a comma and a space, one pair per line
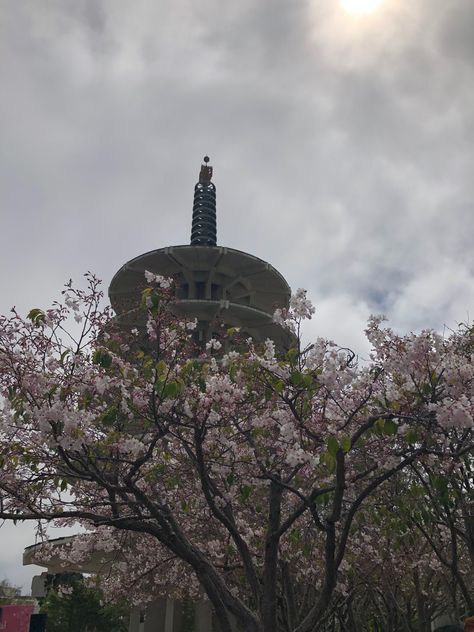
204, 229
206, 172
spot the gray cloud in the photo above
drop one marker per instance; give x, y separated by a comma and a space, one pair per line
342, 148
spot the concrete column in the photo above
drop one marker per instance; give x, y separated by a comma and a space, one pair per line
169, 615
38, 586
203, 616
155, 616
444, 620
134, 623
177, 616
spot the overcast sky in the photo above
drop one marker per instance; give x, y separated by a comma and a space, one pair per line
342, 149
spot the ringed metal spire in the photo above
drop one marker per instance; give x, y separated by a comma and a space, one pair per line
204, 226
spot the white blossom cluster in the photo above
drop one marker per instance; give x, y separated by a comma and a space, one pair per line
159, 280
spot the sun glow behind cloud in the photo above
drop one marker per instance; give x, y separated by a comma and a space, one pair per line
358, 7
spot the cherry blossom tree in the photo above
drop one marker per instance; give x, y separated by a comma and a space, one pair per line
394, 580
245, 471
441, 508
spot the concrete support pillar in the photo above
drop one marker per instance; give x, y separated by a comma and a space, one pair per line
445, 620
134, 623
166, 615
38, 586
203, 616
177, 616
155, 616
169, 615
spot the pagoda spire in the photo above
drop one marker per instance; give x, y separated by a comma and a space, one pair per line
204, 226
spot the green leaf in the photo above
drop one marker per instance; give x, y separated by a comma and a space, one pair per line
230, 478
64, 355
110, 415
333, 445
171, 389
233, 372
292, 354
426, 389
230, 550
102, 358
245, 492
296, 378
379, 427
37, 316
279, 386
145, 294
346, 444
147, 368
308, 380
323, 499
161, 369
150, 299
390, 427
439, 483
329, 461
257, 431
159, 469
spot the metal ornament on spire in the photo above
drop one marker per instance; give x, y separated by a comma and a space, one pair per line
205, 174
204, 225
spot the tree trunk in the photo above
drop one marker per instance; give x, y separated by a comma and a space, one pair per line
270, 571
424, 622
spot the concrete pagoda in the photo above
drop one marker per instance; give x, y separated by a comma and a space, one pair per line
214, 283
